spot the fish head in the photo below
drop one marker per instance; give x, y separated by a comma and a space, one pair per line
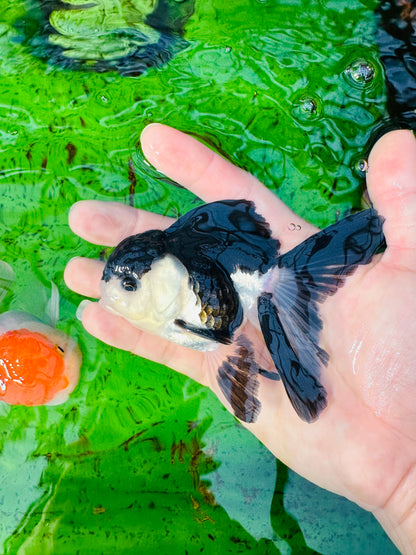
145, 284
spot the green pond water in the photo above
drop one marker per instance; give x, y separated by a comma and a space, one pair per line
141, 460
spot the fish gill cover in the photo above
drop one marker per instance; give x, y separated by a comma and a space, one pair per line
104, 35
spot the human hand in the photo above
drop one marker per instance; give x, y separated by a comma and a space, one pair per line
363, 446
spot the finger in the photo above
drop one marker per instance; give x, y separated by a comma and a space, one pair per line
107, 223
117, 332
391, 182
211, 177
83, 275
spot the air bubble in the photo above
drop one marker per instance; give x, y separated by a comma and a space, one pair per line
362, 165
309, 105
360, 73
228, 49
294, 227
306, 107
103, 99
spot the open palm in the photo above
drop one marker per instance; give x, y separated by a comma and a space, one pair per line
363, 445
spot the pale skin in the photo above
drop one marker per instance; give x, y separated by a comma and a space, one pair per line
363, 446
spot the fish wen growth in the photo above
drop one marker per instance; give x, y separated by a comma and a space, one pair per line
39, 364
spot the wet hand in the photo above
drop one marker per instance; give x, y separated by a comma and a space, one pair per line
363, 445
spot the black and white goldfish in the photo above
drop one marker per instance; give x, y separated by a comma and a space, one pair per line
197, 282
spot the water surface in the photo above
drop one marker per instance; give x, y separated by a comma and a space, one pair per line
139, 460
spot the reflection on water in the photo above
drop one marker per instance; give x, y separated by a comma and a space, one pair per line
129, 37
139, 459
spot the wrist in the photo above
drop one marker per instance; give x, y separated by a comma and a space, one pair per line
398, 515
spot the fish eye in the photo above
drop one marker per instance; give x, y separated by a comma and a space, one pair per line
129, 284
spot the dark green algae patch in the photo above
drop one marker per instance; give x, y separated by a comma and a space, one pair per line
141, 460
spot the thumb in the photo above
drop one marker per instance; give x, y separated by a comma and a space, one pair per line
391, 182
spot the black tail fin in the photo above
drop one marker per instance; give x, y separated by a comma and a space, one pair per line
288, 311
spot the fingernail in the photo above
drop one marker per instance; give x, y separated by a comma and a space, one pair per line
73, 206
71, 211
81, 308
149, 147
148, 126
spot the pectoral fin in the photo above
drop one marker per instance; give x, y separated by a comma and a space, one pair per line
305, 392
220, 335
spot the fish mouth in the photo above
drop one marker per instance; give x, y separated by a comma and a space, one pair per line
109, 307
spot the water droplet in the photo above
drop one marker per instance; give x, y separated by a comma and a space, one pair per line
291, 227
228, 49
298, 227
385, 6
360, 73
14, 132
103, 99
